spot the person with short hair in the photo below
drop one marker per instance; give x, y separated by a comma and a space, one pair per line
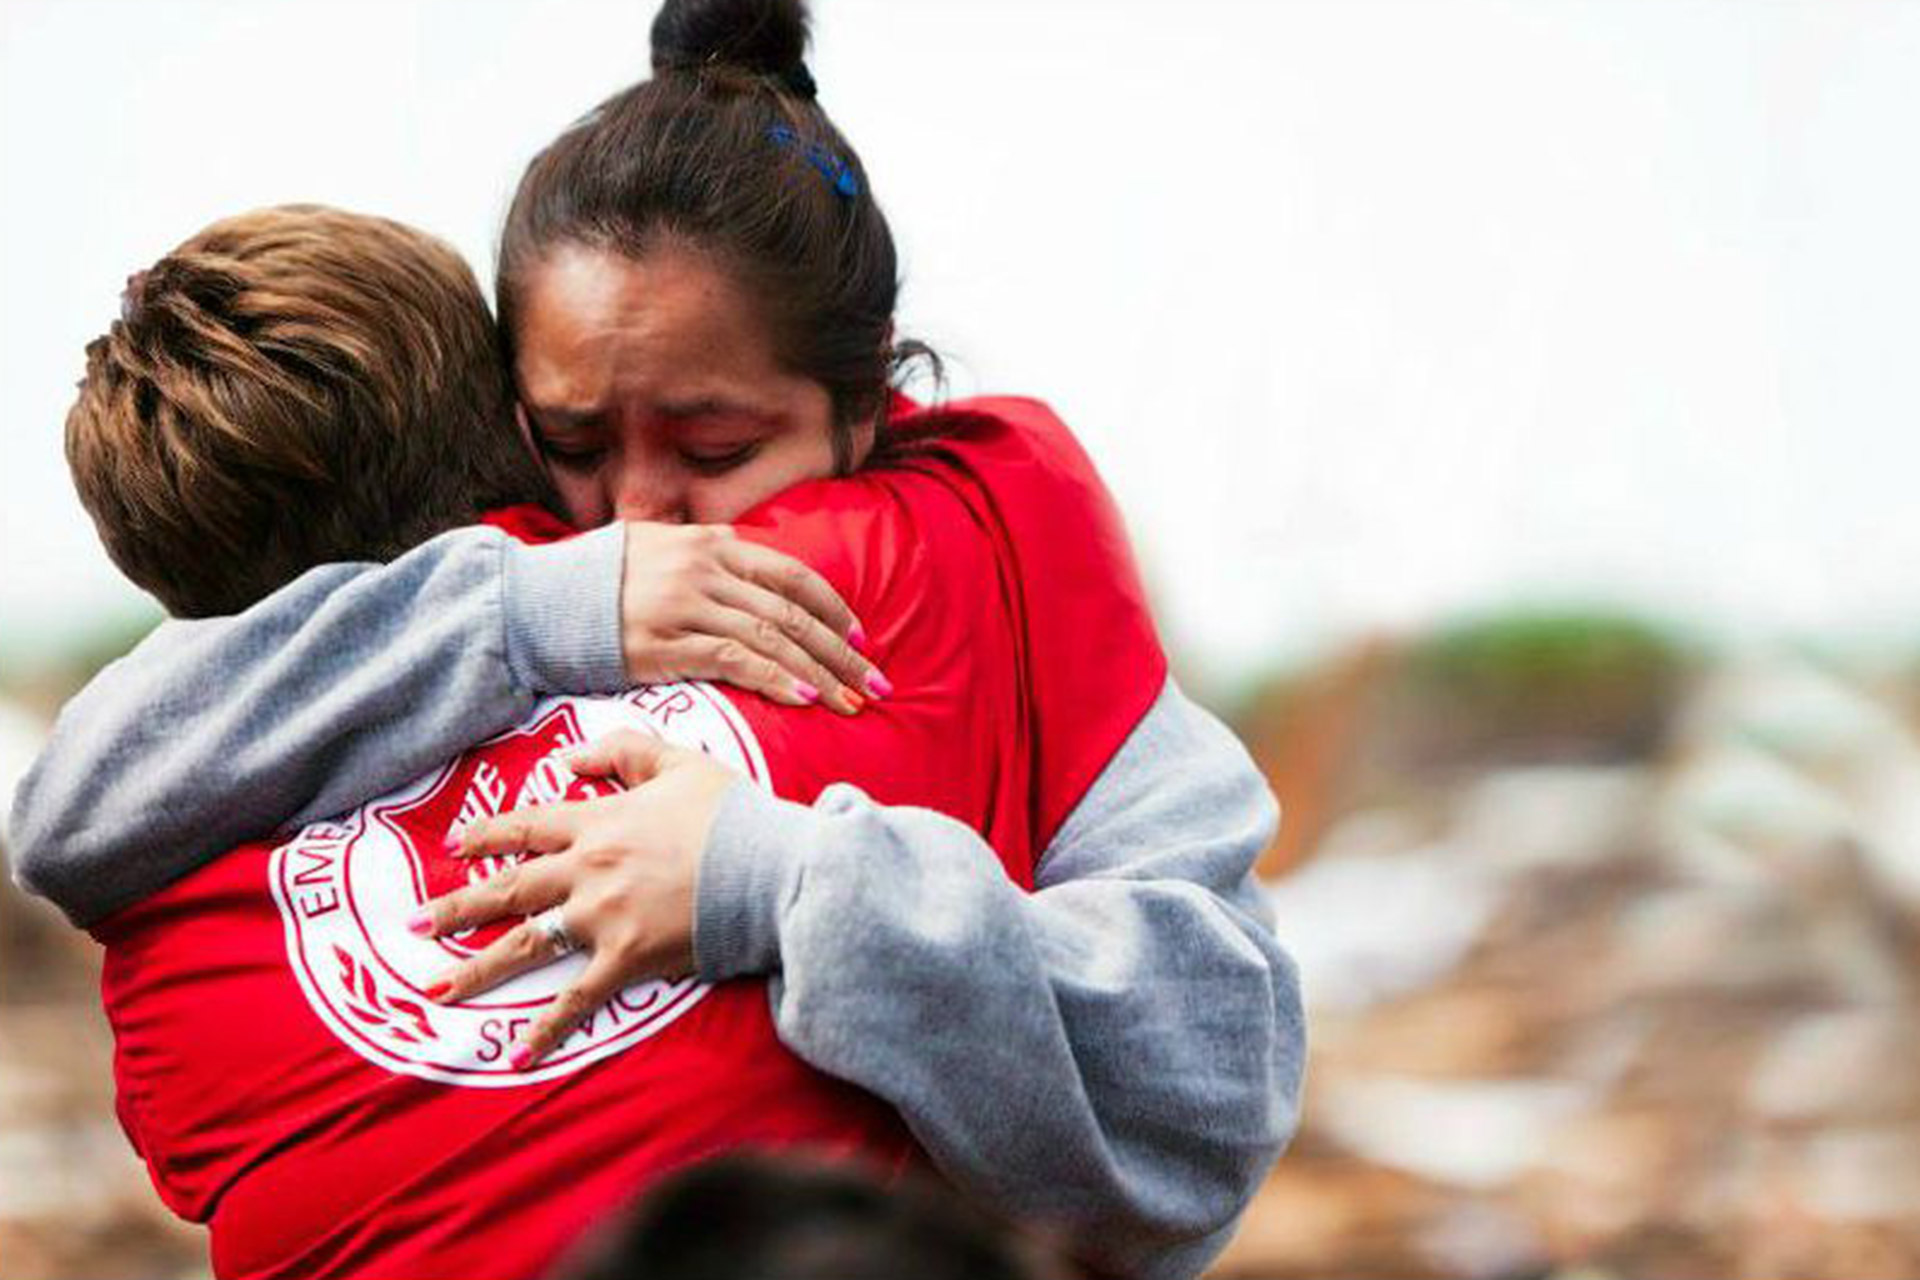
289, 1059
242, 385
1037, 1034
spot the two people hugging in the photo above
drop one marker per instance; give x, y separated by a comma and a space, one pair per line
446, 906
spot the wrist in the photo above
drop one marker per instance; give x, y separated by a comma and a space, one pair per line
749, 868
562, 613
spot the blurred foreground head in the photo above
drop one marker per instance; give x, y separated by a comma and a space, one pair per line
292, 387
749, 1218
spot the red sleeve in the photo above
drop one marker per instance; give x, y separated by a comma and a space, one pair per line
1093, 664
914, 561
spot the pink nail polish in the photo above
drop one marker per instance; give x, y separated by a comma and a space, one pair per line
420, 924
521, 1058
434, 990
878, 685
806, 692
858, 637
451, 844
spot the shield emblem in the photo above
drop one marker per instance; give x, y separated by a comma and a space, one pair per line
519, 768
345, 889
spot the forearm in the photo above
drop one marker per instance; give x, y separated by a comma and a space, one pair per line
1118, 1052
343, 684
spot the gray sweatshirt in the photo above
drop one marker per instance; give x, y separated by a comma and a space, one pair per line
1128, 1065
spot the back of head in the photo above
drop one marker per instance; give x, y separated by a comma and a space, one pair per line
288, 388
756, 1218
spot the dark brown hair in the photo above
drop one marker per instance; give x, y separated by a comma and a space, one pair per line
726, 150
288, 388
786, 1219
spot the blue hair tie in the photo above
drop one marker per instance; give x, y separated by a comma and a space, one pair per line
846, 183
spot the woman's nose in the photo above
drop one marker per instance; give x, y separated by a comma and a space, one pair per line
649, 493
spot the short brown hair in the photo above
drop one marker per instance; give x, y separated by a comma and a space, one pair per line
292, 387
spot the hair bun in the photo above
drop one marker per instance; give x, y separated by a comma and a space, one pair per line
766, 37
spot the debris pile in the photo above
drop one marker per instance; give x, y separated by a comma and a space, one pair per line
1645, 1018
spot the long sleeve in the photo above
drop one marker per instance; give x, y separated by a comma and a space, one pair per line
1118, 1053
343, 684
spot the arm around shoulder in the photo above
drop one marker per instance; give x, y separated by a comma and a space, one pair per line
346, 682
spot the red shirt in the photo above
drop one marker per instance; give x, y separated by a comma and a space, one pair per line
287, 1082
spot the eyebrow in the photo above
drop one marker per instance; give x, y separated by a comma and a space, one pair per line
708, 406
559, 416
562, 417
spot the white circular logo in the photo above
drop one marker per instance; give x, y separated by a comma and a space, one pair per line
346, 888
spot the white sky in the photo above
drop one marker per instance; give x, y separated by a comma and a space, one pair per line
1370, 311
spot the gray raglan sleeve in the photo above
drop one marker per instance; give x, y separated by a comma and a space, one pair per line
1118, 1053
345, 683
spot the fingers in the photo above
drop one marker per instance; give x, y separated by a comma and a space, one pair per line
517, 891
831, 662
525, 946
784, 576
698, 601
626, 754
602, 980
547, 829
754, 653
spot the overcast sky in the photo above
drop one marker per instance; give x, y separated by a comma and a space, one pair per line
1369, 311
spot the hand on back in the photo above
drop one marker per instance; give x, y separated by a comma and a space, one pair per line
699, 603
619, 873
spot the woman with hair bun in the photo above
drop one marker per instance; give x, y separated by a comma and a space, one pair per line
697, 294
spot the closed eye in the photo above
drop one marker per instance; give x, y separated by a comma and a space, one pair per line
716, 461
573, 454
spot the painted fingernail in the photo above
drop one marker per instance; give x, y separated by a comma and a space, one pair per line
521, 1058
858, 637
851, 702
420, 924
878, 685
435, 990
805, 692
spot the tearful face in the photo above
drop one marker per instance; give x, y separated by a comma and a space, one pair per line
651, 388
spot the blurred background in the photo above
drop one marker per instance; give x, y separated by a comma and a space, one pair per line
1514, 405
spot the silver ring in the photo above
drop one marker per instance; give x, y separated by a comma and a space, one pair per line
553, 926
